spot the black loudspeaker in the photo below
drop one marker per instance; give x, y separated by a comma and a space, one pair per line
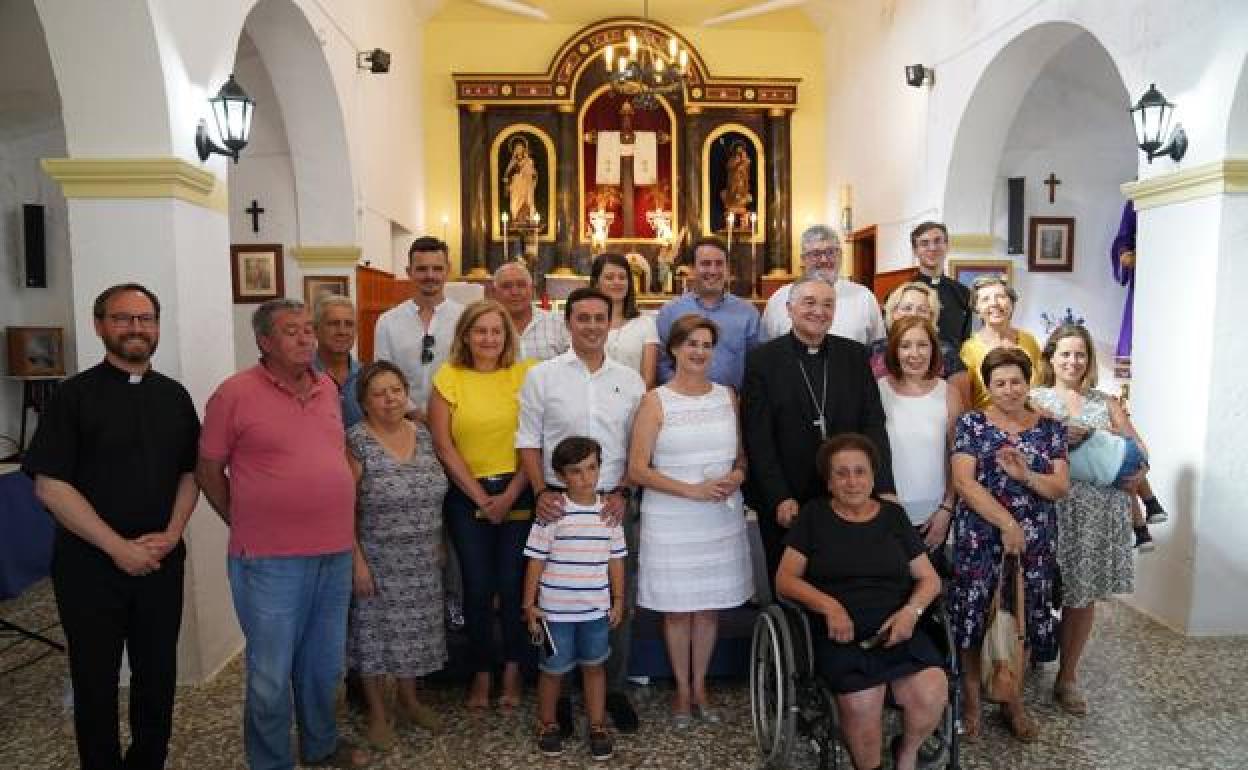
1014, 237
36, 256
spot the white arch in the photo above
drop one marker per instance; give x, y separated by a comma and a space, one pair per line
1237, 127
312, 110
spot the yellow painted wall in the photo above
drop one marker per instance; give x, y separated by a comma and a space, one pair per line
789, 47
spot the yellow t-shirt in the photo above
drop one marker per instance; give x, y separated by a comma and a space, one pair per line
973, 352
485, 412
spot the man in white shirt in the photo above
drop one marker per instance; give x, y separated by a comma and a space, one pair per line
583, 393
857, 312
416, 335
543, 334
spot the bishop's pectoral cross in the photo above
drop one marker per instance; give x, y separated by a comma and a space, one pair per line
627, 144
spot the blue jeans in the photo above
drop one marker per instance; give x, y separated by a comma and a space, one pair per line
293, 612
491, 557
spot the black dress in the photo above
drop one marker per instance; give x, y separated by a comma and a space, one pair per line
866, 567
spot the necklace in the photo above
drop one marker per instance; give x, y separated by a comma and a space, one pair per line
820, 424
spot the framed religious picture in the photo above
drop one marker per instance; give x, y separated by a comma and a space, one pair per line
256, 272
965, 271
1051, 247
36, 351
522, 192
317, 286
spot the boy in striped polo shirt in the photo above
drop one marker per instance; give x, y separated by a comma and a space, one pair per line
578, 563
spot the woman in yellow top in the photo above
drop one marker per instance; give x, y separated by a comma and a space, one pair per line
474, 411
993, 300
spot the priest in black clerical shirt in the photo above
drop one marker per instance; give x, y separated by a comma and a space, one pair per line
930, 242
799, 389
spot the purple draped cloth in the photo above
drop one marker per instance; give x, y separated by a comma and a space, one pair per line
1125, 241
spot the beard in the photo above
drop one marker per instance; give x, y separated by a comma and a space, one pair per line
117, 346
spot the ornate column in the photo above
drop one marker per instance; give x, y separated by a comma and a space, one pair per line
691, 184
568, 223
474, 263
779, 203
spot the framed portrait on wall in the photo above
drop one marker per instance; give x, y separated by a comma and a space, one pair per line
965, 271
256, 272
317, 286
1051, 247
36, 351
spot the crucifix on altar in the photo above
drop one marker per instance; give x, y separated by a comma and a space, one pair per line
626, 159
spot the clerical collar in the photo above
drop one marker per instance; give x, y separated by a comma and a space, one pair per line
801, 346
122, 374
934, 280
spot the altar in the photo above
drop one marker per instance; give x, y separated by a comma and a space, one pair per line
629, 144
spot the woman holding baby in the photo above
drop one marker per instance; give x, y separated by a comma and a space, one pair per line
1094, 538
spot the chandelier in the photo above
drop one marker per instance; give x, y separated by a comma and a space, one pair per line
642, 71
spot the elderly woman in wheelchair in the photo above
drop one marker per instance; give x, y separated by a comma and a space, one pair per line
857, 562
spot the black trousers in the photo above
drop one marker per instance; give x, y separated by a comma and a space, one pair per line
102, 609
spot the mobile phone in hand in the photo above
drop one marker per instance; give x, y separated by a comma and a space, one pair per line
548, 641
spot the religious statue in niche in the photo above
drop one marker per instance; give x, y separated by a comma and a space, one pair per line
735, 195
521, 187
731, 176
521, 181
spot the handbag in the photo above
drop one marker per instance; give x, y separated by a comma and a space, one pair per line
1002, 657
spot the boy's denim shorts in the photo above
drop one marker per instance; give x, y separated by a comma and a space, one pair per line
1132, 462
582, 643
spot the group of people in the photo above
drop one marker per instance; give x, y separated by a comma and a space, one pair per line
560, 469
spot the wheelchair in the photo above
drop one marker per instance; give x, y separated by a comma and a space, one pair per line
789, 701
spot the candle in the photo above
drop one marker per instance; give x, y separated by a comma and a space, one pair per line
731, 218
505, 220
446, 220
847, 196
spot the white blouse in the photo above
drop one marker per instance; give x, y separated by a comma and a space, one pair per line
627, 343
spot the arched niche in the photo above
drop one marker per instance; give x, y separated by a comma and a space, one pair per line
717, 151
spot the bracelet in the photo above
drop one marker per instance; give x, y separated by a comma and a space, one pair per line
918, 611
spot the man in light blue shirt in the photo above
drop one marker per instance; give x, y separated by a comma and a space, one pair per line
334, 320
736, 318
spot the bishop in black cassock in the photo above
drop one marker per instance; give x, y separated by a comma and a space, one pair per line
799, 389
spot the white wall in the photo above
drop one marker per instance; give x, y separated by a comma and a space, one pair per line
22, 181
266, 176
1070, 123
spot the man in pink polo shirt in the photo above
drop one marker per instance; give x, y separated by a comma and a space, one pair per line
289, 501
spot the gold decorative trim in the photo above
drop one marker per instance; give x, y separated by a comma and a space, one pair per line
1229, 175
137, 178
970, 243
759, 235
326, 256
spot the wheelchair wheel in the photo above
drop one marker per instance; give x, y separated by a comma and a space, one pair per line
773, 696
935, 752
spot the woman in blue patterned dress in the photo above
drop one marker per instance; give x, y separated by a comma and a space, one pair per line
1009, 466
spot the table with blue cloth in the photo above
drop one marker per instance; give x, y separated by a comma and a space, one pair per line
26, 548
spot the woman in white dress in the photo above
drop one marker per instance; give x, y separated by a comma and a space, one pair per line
920, 409
633, 339
694, 556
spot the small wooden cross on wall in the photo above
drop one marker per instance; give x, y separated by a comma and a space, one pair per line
255, 211
1052, 182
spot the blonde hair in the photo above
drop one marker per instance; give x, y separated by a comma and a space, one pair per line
894, 299
461, 353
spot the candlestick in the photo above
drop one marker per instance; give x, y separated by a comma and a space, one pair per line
847, 196
505, 220
446, 220
730, 218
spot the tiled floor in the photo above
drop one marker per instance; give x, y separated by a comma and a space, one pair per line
1159, 700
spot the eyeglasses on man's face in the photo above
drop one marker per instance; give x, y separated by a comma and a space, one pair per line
126, 319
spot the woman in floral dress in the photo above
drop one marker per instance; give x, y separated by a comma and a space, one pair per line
395, 624
1009, 465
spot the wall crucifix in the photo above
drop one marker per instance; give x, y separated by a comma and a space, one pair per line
1052, 182
254, 211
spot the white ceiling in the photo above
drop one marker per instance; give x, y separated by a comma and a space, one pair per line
681, 13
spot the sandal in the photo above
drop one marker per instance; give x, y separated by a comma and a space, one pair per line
1069, 699
420, 715
346, 755
1020, 725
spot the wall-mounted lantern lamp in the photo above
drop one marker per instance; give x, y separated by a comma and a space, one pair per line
917, 75
231, 109
1151, 116
375, 61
